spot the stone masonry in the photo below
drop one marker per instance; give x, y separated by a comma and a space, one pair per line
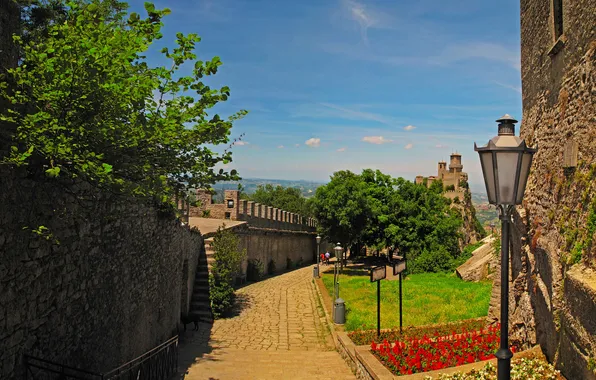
103, 284
553, 299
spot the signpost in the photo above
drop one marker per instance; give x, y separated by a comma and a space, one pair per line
376, 275
399, 265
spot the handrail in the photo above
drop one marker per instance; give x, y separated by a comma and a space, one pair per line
165, 364
144, 356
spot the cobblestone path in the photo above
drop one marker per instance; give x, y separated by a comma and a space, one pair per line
279, 332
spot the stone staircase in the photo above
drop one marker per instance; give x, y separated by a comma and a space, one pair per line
200, 305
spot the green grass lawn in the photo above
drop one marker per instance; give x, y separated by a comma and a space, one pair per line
428, 298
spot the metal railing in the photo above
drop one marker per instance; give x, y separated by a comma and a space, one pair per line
159, 363
41, 369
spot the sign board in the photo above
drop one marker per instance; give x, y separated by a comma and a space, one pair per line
399, 265
378, 273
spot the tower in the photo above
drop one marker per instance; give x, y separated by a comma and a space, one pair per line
442, 170
455, 165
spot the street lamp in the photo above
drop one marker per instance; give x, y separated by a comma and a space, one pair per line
318, 238
338, 251
505, 162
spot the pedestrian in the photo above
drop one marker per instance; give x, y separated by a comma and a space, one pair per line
327, 256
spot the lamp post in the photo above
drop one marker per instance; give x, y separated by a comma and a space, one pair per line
318, 238
338, 251
505, 162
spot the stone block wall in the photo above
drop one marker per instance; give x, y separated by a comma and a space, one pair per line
103, 284
266, 244
553, 250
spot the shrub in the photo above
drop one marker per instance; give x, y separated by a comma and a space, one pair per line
221, 294
227, 263
271, 267
299, 263
255, 270
206, 213
289, 263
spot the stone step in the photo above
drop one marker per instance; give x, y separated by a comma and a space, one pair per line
200, 297
196, 306
201, 289
203, 316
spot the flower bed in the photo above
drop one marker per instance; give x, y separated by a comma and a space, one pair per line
525, 369
365, 337
407, 356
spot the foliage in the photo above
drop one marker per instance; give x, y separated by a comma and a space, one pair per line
228, 259
497, 246
255, 270
285, 198
271, 267
379, 211
221, 295
523, 369
431, 353
85, 104
364, 337
466, 253
428, 298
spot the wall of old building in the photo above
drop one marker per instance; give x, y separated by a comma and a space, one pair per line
553, 300
101, 285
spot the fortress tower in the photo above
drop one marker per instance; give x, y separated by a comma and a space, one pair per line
442, 170
455, 165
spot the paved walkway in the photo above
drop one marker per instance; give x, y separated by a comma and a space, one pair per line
279, 332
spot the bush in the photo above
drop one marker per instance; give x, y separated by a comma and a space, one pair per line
299, 263
221, 294
289, 263
271, 267
227, 264
255, 270
437, 259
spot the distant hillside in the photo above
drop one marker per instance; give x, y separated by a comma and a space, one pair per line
250, 185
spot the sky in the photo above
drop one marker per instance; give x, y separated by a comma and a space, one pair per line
330, 85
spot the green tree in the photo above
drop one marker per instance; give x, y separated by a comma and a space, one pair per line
227, 260
286, 198
85, 104
342, 208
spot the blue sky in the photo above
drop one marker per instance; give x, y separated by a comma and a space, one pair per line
342, 84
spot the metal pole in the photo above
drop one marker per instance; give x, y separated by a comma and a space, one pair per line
400, 313
318, 258
378, 308
504, 354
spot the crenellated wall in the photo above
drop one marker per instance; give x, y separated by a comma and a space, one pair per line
256, 214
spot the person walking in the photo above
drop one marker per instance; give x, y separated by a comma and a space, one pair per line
327, 256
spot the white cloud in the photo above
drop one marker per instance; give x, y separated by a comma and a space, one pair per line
514, 88
409, 146
313, 142
296, 145
409, 128
366, 17
241, 143
280, 147
376, 140
441, 146
342, 149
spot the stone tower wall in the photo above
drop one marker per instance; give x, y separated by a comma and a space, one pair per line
553, 300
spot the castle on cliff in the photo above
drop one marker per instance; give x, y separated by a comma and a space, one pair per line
454, 179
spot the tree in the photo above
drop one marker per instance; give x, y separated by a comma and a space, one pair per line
342, 208
85, 104
228, 258
285, 198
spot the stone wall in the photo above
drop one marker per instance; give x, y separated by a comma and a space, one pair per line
103, 284
265, 244
552, 245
